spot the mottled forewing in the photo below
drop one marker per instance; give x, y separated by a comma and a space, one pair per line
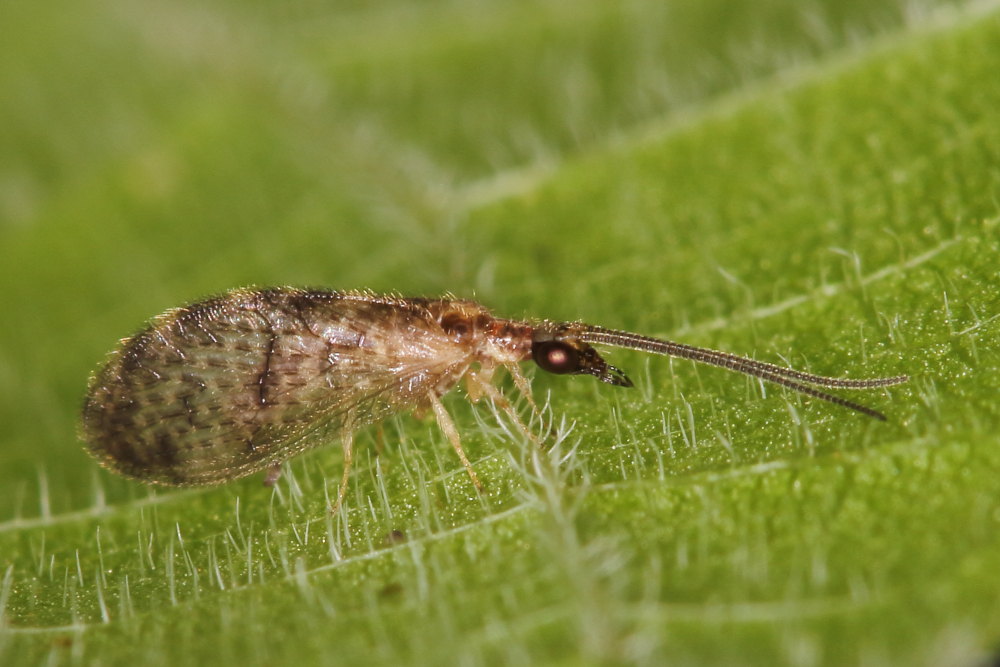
226, 387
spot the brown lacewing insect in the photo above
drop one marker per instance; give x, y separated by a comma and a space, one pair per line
242, 382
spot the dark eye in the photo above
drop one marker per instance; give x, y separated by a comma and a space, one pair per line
556, 357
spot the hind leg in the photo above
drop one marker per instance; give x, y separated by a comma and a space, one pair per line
272, 475
347, 439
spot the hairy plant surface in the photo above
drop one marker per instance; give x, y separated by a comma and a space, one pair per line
808, 183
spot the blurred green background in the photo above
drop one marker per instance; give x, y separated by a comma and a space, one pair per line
806, 181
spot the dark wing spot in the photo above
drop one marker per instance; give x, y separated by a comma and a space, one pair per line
165, 451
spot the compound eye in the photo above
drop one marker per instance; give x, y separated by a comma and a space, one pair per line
556, 357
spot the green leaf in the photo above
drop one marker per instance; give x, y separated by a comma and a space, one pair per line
811, 183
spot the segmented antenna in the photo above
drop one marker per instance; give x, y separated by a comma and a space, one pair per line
786, 377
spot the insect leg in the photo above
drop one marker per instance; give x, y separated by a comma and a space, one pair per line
498, 399
522, 385
448, 426
347, 439
272, 475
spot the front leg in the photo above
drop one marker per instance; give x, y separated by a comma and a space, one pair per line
479, 383
500, 401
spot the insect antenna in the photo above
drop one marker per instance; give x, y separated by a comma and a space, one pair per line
786, 377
